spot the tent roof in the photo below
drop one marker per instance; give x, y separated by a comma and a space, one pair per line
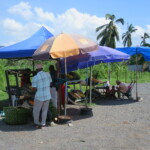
26, 47
145, 51
103, 54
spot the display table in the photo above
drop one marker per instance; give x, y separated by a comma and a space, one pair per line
75, 94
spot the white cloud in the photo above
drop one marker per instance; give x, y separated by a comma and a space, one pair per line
148, 28
23, 9
11, 26
140, 32
17, 30
43, 16
8, 43
72, 21
136, 36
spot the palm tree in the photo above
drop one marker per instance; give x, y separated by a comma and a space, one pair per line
109, 32
144, 37
126, 37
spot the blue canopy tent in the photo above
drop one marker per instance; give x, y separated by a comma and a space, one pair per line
25, 48
103, 54
145, 51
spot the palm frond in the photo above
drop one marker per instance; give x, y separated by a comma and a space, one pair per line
120, 20
109, 16
123, 35
103, 41
146, 35
101, 34
100, 27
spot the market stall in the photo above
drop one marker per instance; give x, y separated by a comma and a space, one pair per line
22, 50
21, 90
102, 55
63, 46
18, 94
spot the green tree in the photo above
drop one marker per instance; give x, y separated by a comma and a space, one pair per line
126, 37
144, 37
109, 32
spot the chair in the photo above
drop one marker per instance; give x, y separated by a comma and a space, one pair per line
128, 94
14, 100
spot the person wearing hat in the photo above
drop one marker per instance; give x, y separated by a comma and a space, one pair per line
41, 85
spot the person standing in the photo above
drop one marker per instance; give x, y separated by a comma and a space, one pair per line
41, 85
53, 88
25, 77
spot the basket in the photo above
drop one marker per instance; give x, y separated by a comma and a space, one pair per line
15, 115
64, 119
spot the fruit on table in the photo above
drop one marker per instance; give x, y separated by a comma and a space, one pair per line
80, 93
69, 76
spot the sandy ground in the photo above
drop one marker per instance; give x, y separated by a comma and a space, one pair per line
115, 125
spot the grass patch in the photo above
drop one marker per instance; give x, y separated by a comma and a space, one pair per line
89, 105
3, 95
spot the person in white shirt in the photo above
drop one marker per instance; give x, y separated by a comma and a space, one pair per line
41, 84
122, 87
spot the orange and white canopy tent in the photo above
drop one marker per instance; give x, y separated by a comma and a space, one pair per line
64, 45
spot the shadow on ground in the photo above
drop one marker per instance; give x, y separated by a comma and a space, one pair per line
114, 101
75, 113
73, 110
13, 128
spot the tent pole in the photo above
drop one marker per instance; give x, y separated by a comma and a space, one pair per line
33, 65
136, 75
59, 92
66, 90
117, 74
125, 76
109, 72
90, 85
86, 86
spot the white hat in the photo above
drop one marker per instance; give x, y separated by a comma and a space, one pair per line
39, 66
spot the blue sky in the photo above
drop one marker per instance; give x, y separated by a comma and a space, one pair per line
20, 19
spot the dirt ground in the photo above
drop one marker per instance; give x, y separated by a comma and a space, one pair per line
115, 125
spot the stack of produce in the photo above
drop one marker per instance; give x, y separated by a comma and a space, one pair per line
73, 76
76, 95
